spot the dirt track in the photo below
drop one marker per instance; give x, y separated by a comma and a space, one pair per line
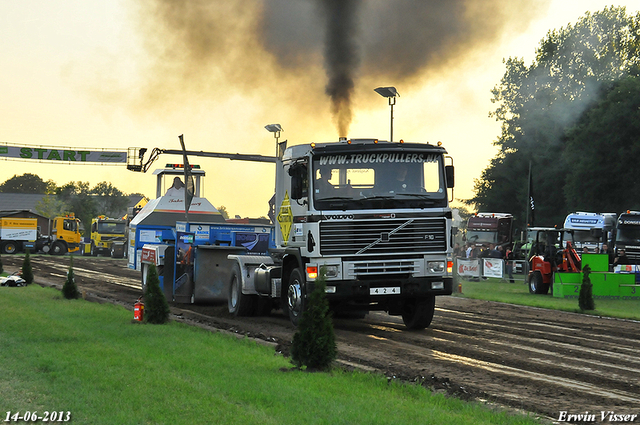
537, 360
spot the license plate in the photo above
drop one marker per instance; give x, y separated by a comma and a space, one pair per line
389, 290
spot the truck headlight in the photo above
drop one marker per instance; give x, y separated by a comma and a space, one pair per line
435, 266
331, 271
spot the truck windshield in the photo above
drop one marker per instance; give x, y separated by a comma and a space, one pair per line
483, 237
581, 236
628, 234
111, 228
378, 180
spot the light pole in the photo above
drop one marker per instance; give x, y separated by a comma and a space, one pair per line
391, 93
275, 129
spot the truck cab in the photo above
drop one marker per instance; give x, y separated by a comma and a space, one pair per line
65, 235
375, 216
588, 230
628, 235
108, 236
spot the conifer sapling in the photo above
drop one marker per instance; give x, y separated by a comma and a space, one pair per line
27, 270
156, 306
314, 344
69, 289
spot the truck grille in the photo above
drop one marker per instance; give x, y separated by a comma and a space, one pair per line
388, 236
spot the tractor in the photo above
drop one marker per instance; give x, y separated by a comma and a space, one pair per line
547, 257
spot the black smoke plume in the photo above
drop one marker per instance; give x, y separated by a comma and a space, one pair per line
253, 46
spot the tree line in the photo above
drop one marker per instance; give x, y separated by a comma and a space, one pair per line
570, 123
76, 196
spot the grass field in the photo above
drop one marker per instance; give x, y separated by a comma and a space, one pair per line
494, 289
93, 361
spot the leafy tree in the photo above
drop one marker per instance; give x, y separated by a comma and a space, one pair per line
314, 344
26, 183
603, 149
223, 210
537, 104
51, 206
27, 270
156, 306
110, 200
69, 289
79, 199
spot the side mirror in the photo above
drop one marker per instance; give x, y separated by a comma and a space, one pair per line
298, 173
448, 174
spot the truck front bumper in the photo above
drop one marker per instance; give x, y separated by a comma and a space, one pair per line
387, 288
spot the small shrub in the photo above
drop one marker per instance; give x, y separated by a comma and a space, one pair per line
585, 299
27, 270
314, 344
69, 289
156, 308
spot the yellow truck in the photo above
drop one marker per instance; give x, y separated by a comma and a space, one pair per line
108, 237
20, 234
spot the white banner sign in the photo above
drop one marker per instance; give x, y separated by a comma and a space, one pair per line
468, 267
492, 267
62, 155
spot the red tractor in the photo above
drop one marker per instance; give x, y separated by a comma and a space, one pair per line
548, 257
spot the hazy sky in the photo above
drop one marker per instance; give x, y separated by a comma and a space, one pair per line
138, 73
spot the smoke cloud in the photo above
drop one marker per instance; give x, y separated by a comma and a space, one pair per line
302, 46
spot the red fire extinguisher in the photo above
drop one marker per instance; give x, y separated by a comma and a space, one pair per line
138, 310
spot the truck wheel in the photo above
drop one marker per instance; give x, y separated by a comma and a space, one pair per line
58, 248
239, 304
536, 284
417, 314
295, 296
9, 248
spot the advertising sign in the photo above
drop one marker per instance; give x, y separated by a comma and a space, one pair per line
468, 267
492, 267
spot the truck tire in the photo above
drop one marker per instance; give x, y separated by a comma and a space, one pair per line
537, 285
239, 304
9, 247
296, 296
417, 314
58, 248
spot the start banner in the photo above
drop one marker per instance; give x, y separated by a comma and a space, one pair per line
72, 155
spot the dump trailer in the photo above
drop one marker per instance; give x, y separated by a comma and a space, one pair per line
372, 216
20, 234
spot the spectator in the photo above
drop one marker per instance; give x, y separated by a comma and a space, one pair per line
177, 189
621, 258
457, 250
509, 257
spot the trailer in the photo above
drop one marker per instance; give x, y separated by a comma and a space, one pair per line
21, 234
372, 216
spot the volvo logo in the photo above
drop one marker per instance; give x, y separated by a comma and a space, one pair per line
338, 217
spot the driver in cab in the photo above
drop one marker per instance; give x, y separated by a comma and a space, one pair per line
322, 185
